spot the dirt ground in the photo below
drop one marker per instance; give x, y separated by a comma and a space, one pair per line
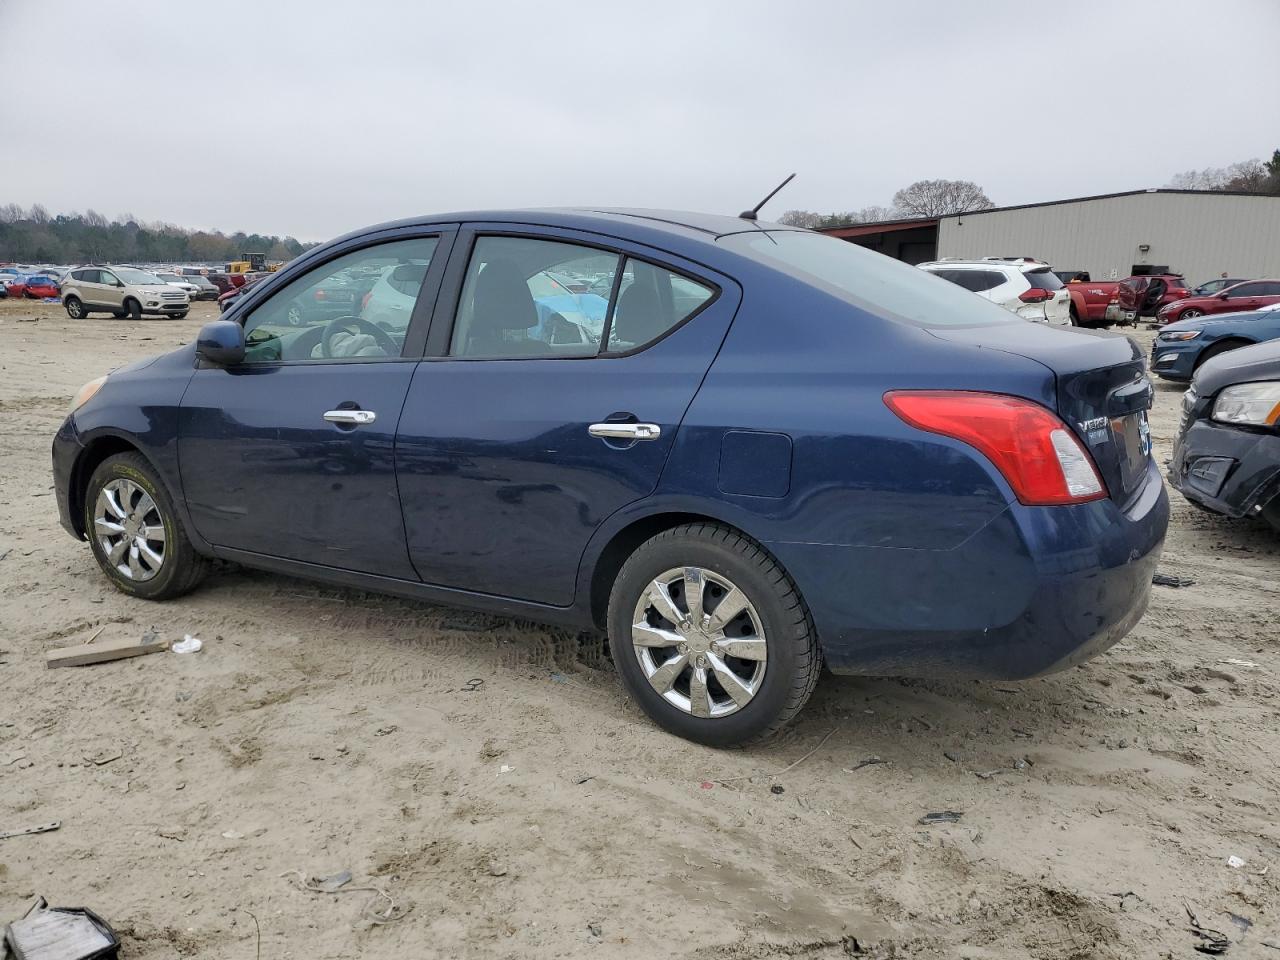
488, 779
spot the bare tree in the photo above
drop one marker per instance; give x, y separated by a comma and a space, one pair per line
38, 213
10, 213
1250, 176
94, 219
874, 214
939, 198
800, 218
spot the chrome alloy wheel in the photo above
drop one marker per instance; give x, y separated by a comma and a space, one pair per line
700, 642
129, 529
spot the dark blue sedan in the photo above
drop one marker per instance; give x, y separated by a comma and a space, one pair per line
779, 449
1181, 347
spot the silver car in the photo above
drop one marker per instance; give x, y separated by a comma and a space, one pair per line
121, 291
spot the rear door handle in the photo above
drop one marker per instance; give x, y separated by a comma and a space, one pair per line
625, 431
351, 418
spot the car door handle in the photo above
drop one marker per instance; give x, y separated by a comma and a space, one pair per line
625, 431
351, 418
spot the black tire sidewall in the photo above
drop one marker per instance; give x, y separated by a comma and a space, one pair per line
178, 551
133, 309
79, 307
734, 560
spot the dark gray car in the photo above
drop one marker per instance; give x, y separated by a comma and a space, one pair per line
1226, 457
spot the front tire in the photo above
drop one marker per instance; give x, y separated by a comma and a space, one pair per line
135, 532
133, 308
717, 675
1190, 314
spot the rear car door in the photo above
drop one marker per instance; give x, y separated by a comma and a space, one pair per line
290, 454
527, 426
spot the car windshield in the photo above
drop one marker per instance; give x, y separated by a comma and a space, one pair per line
129, 275
169, 277
869, 280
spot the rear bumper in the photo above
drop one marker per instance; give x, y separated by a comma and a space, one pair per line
1037, 590
1226, 469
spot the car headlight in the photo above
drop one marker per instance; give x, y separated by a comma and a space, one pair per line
85, 394
1179, 335
1253, 404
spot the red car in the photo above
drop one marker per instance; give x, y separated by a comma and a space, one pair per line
1145, 296
39, 287
1243, 296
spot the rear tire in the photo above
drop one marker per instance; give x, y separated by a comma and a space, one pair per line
1075, 317
75, 308
773, 627
135, 532
133, 308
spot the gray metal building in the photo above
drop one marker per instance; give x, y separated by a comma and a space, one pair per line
1196, 233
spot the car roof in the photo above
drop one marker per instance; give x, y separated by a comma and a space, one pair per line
988, 265
683, 222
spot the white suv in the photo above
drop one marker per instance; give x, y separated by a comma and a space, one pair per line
1027, 287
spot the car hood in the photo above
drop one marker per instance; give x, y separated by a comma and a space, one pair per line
1258, 362
1199, 323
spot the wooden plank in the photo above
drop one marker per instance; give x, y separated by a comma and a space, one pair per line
86, 653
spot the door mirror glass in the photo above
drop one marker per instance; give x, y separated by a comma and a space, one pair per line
221, 342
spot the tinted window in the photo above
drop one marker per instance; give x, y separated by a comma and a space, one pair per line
1243, 290
651, 301
1043, 280
518, 300
354, 308
981, 280
868, 280
1269, 289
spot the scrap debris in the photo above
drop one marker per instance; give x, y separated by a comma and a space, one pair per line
26, 831
392, 912
1211, 941
61, 933
84, 654
1168, 580
942, 816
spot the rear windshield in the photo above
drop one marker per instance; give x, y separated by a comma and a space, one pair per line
1044, 279
869, 280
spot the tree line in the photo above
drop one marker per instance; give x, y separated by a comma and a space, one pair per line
35, 236
941, 198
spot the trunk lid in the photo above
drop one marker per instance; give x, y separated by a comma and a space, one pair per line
1101, 387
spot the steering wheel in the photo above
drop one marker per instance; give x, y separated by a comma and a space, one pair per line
342, 324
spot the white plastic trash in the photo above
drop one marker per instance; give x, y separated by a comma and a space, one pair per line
187, 644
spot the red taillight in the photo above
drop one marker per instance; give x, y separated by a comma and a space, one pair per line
1035, 295
1034, 450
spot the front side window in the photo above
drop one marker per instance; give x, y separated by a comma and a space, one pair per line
518, 299
354, 308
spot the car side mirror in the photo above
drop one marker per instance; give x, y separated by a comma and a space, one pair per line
1222, 296
221, 342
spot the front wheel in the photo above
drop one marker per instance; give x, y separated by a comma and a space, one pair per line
710, 636
135, 533
133, 308
1190, 314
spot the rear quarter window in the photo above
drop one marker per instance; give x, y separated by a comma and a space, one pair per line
1043, 280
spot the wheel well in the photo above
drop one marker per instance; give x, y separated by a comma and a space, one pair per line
623, 544
88, 461
1222, 346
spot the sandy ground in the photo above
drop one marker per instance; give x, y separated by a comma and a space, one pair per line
540, 815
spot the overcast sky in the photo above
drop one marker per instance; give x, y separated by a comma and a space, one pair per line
312, 118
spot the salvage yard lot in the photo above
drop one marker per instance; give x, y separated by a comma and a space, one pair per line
490, 777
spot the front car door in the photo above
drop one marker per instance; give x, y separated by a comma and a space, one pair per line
290, 453
527, 425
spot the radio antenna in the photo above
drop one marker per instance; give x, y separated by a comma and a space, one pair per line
754, 211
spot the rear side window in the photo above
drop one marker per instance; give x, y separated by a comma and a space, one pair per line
868, 280
1043, 280
1244, 290
524, 297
